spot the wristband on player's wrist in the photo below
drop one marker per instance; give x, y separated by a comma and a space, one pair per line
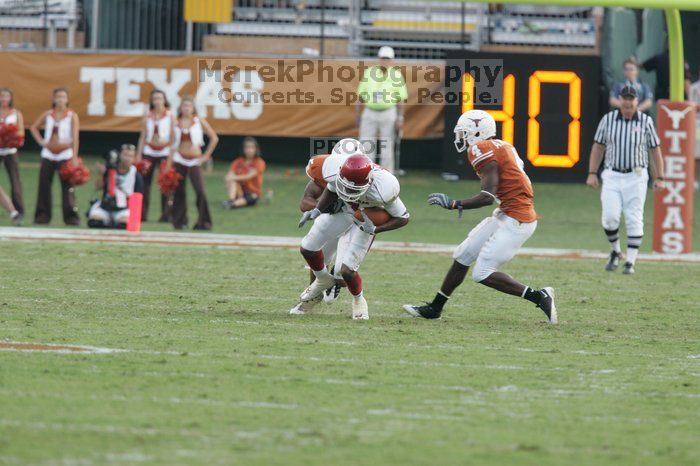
592, 173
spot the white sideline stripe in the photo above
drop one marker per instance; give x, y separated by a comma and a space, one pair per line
60, 348
226, 240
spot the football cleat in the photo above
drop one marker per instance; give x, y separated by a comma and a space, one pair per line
359, 309
547, 304
426, 312
303, 307
613, 261
331, 294
317, 288
629, 268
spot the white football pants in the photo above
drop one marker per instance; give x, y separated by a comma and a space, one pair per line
492, 243
624, 193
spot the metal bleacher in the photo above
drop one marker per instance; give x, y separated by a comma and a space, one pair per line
415, 28
39, 23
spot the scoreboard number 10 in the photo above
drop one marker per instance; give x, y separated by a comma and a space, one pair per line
506, 115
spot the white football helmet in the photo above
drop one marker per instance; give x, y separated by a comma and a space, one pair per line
348, 146
473, 126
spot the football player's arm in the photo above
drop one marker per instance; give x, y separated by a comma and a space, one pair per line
399, 216
489, 186
325, 200
310, 197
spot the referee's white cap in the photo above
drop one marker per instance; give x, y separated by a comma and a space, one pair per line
386, 52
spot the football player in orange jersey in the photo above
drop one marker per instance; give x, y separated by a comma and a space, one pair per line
495, 240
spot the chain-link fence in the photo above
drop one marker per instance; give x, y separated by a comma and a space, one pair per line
414, 28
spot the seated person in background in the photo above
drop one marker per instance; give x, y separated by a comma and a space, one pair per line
113, 211
244, 180
631, 70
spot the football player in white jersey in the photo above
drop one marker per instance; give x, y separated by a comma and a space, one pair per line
309, 201
360, 184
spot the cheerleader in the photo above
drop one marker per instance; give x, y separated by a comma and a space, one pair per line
10, 116
188, 158
154, 146
59, 145
10, 208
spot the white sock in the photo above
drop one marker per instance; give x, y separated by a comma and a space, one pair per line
356, 299
616, 246
14, 213
632, 255
322, 274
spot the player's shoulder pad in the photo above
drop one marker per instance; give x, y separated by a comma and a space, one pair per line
481, 151
331, 166
387, 185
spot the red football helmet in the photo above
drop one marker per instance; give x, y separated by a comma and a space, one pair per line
354, 178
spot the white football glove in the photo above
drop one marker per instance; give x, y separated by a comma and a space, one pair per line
309, 215
367, 226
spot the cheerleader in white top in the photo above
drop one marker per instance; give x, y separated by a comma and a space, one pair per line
11, 119
154, 145
59, 144
187, 157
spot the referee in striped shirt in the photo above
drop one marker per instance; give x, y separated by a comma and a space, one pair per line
623, 141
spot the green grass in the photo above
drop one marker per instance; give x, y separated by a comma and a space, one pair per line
217, 373
571, 212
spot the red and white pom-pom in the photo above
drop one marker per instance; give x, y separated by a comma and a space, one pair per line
144, 166
10, 137
74, 175
168, 180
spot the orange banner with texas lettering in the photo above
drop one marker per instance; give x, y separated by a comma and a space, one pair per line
673, 206
271, 97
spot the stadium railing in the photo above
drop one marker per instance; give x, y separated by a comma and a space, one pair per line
40, 24
417, 29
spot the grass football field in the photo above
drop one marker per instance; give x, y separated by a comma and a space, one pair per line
213, 370
195, 360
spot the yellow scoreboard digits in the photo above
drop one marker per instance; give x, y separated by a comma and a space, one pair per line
534, 99
505, 116
569, 159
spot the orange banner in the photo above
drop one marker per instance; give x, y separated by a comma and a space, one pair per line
673, 207
271, 97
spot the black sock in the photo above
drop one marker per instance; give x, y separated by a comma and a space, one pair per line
439, 301
532, 295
